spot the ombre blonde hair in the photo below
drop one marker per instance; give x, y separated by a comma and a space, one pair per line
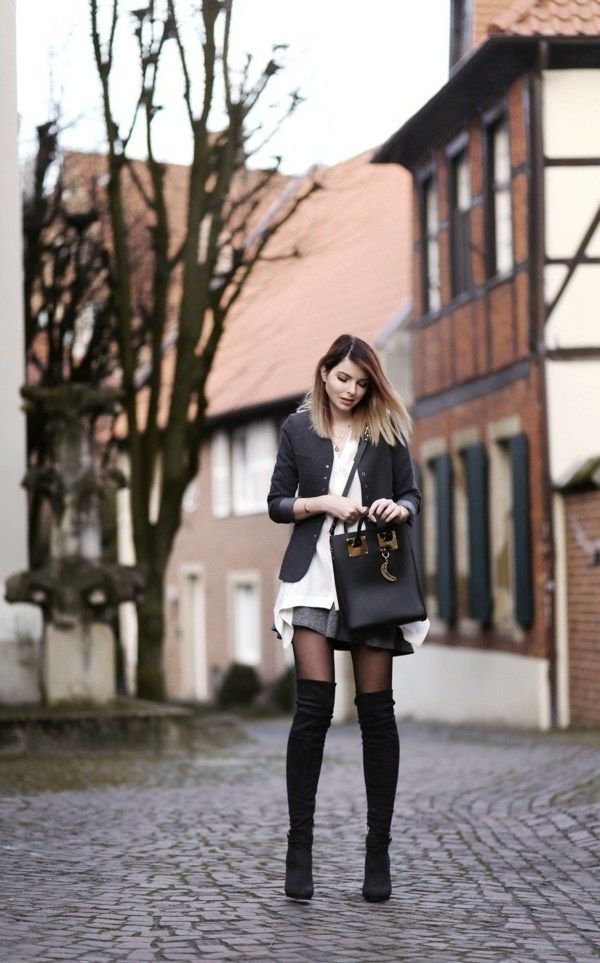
381, 410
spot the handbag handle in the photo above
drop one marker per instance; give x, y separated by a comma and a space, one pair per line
361, 447
363, 519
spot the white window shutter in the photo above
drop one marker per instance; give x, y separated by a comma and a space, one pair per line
220, 474
262, 451
254, 453
239, 467
246, 615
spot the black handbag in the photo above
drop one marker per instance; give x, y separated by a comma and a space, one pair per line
375, 572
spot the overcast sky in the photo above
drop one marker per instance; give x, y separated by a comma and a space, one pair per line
363, 69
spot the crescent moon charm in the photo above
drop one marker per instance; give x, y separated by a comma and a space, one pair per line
386, 574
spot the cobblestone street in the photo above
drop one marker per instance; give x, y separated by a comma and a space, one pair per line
494, 853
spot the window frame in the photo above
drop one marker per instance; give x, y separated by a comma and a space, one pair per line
427, 177
236, 579
460, 286
491, 122
242, 502
221, 473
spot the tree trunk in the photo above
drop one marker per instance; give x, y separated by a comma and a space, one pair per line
151, 627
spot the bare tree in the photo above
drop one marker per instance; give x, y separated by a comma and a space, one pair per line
196, 274
70, 334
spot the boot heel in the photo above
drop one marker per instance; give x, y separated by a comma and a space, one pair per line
377, 886
298, 870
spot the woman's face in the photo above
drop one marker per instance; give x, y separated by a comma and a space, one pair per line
346, 385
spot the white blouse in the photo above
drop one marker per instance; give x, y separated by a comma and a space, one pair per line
317, 586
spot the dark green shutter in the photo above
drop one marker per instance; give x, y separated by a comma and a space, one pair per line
480, 595
522, 587
417, 529
445, 576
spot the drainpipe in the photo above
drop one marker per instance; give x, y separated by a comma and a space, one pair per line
537, 314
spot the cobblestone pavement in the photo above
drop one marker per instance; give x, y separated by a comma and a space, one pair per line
494, 854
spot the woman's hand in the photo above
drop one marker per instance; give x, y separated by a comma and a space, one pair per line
386, 510
346, 509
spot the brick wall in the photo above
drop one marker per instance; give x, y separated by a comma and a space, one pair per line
520, 399
225, 545
583, 601
486, 329
478, 333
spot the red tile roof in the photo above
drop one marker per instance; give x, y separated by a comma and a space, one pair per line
354, 272
484, 13
532, 18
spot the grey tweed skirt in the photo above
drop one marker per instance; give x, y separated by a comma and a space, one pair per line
333, 626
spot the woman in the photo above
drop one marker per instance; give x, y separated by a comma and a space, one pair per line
351, 399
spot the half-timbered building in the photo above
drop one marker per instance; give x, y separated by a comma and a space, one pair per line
505, 336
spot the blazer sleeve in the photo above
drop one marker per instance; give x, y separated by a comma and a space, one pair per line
405, 488
284, 481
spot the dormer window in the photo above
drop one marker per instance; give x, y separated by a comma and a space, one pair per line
461, 16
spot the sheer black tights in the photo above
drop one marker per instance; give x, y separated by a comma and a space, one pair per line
313, 656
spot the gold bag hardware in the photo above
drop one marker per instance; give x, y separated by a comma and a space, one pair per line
387, 540
355, 550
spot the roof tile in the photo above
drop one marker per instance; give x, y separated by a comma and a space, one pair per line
353, 274
563, 18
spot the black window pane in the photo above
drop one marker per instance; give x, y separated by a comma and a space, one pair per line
460, 233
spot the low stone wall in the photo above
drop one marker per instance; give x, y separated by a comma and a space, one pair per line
123, 724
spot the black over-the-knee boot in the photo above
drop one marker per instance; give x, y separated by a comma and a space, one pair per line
314, 710
381, 759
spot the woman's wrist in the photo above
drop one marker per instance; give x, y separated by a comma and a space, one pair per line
306, 507
313, 506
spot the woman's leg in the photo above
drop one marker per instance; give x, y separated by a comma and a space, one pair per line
315, 696
381, 759
313, 655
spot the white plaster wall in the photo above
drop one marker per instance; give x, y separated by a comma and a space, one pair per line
570, 113
575, 321
571, 199
20, 625
457, 685
571, 100
573, 397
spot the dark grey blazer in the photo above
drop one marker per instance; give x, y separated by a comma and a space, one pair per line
303, 466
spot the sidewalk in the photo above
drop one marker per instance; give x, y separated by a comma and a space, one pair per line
494, 854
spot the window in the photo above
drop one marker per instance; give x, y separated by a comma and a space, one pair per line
220, 474
460, 234
498, 196
254, 449
245, 617
430, 252
460, 30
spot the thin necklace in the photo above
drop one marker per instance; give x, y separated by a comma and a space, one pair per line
340, 437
